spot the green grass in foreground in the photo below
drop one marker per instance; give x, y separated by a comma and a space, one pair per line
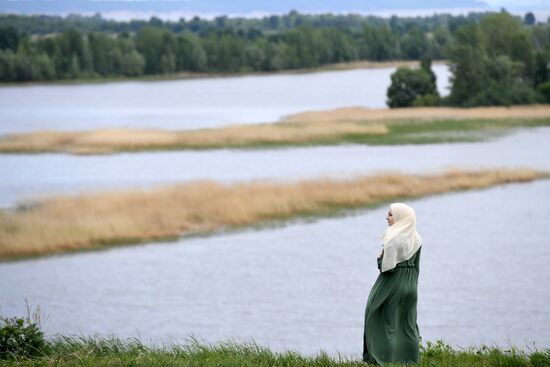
112, 351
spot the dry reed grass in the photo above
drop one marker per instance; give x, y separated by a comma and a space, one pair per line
304, 128
112, 140
66, 223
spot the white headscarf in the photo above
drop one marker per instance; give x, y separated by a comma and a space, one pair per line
400, 240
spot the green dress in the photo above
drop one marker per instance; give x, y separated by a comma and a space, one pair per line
391, 333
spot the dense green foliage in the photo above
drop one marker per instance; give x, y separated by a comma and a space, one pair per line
495, 58
53, 48
498, 61
413, 87
544, 90
111, 351
48, 24
20, 338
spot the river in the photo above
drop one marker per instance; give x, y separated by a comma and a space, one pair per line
302, 285
30, 175
192, 103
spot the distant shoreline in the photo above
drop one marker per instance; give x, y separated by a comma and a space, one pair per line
344, 66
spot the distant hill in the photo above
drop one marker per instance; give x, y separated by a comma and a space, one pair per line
175, 9
232, 6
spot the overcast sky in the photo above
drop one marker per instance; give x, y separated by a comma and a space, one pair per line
519, 3
174, 9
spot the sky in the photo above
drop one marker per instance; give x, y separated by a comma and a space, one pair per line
175, 9
519, 3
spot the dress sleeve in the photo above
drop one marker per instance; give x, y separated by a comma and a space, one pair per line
379, 261
417, 260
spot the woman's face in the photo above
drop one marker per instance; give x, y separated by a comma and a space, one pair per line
389, 217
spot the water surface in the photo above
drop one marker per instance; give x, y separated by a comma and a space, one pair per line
192, 103
301, 286
26, 175
483, 276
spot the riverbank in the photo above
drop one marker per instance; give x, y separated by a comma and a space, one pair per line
97, 220
355, 125
203, 75
113, 351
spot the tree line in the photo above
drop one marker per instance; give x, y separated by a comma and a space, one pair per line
496, 61
74, 54
42, 47
48, 24
495, 58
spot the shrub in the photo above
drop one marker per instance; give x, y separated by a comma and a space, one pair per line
426, 100
544, 90
20, 338
436, 350
408, 84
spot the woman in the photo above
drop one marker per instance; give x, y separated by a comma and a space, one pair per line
391, 333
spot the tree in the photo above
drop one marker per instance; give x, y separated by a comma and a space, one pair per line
333, 46
149, 44
274, 22
438, 41
542, 73
99, 47
481, 47
190, 54
407, 85
544, 90
302, 43
281, 57
7, 66
74, 70
414, 44
426, 65
255, 57
504, 87
45, 69
492, 63
529, 19
380, 43
156, 22
9, 38
133, 63
72, 55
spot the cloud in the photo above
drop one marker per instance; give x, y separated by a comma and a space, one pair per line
519, 3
